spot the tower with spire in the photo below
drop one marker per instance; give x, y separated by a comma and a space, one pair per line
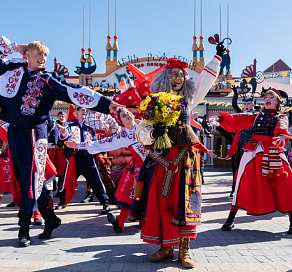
195, 49
112, 63
201, 49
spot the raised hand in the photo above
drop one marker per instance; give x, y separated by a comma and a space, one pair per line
115, 106
71, 144
213, 120
21, 49
211, 153
158, 131
280, 139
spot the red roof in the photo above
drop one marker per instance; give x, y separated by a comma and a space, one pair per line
278, 66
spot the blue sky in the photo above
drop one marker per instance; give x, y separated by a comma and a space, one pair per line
259, 29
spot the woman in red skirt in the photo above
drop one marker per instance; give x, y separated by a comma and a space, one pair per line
126, 188
169, 184
264, 182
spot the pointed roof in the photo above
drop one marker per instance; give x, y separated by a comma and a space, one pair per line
278, 66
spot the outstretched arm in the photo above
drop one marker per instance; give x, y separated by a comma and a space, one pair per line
80, 95
205, 80
235, 99
119, 140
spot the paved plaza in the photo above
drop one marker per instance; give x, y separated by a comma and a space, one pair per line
86, 241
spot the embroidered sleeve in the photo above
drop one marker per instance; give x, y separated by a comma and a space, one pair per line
77, 94
6, 46
119, 140
205, 80
113, 123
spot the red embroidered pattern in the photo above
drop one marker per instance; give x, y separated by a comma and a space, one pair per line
30, 100
6, 168
7, 49
87, 136
10, 87
75, 134
141, 149
40, 161
83, 98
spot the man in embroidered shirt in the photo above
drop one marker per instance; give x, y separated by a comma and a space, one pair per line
80, 162
104, 125
27, 94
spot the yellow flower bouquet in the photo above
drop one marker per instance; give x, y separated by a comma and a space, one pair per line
165, 109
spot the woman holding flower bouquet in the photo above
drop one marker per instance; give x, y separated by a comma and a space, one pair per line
169, 184
126, 138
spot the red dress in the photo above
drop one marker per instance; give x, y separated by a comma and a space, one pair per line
168, 219
126, 188
264, 180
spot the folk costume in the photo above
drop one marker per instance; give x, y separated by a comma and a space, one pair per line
80, 162
102, 124
126, 188
169, 184
27, 97
263, 183
9, 177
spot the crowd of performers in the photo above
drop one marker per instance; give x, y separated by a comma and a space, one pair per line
160, 189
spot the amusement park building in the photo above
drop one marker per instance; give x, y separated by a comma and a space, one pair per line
217, 100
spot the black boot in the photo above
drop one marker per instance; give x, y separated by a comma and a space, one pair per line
11, 205
88, 197
23, 234
106, 208
54, 185
111, 196
24, 239
51, 220
61, 205
229, 224
58, 194
115, 222
290, 227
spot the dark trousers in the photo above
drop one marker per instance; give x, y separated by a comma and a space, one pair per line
20, 141
85, 166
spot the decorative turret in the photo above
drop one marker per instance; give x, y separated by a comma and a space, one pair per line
89, 57
82, 59
108, 53
201, 62
115, 50
108, 48
195, 49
